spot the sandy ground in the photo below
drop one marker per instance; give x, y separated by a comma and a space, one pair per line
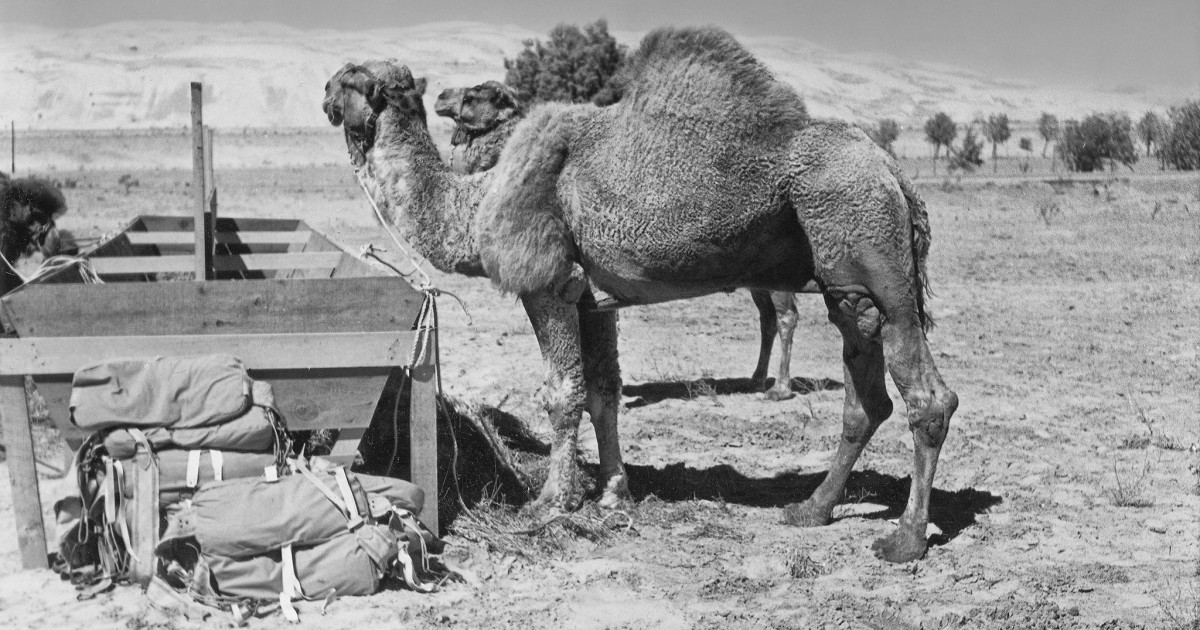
1068, 493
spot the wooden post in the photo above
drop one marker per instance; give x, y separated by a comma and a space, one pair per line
203, 240
422, 431
210, 179
22, 472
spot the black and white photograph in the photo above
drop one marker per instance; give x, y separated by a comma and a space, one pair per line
600, 315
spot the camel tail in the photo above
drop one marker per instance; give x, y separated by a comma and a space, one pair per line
921, 238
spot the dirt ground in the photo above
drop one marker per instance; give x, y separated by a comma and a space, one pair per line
1068, 493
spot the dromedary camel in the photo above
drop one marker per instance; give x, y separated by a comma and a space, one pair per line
28, 208
705, 177
486, 115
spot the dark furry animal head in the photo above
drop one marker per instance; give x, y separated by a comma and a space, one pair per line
356, 95
478, 110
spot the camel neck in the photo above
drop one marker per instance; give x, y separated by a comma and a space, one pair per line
433, 208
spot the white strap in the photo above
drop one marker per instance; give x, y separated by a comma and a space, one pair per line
218, 465
348, 497
291, 585
110, 498
193, 469
270, 473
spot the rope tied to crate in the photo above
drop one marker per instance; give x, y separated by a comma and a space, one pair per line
417, 277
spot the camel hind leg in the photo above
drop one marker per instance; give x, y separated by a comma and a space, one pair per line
768, 324
776, 315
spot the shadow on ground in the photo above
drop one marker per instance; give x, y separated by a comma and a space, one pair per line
650, 393
952, 512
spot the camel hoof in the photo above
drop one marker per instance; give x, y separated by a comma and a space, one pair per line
616, 495
805, 515
780, 393
901, 545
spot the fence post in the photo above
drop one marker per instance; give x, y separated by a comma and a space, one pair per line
203, 226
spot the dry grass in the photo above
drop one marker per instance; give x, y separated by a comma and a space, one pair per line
1131, 490
508, 531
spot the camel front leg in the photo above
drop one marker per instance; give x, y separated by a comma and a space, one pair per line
556, 325
602, 375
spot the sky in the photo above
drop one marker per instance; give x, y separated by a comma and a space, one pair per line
1121, 44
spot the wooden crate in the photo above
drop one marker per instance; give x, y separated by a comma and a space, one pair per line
324, 328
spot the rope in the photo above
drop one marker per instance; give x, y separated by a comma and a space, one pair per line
54, 264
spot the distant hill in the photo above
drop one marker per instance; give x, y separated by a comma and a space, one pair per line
136, 75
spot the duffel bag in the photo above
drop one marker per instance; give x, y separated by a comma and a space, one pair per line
252, 432
248, 517
182, 473
187, 391
349, 563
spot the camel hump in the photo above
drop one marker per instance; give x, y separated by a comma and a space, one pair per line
696, 76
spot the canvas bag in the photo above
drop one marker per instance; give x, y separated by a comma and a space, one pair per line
255, 431
178, 392
247, 517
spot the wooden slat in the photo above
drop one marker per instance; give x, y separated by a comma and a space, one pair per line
194, 308
422, 434
248, 238
259, 262
64, 355
250, 262
107, 266
22, 472
326, 398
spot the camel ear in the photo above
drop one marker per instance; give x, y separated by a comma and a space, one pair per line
419, 86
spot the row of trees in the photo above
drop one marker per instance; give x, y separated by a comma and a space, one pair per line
575, 65
1081, 145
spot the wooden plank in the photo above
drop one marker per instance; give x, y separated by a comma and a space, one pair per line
125, 265
64, 355
326, 398
202, 226
194, 308
251, 262
422, 433
22, 472
246, 238
257, 262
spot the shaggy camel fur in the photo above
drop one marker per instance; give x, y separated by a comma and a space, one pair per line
486, 115
28, 208
707, 176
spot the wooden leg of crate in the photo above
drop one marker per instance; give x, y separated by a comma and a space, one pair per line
423, 434
22, 472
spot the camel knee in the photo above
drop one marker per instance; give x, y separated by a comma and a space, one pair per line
862, 310
929, 413
563, 399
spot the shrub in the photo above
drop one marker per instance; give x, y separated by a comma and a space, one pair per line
1180, 147
573, 65
1085, 145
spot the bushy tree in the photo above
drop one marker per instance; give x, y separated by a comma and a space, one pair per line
884, 134
1048, 127
997, 131
969, 155
1149, 129
940, 131
572, 65
1180, 146
1085, 145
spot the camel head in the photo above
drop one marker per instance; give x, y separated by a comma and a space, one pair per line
356, 95
478, 110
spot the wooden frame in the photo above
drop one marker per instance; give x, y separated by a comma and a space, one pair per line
327, 346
